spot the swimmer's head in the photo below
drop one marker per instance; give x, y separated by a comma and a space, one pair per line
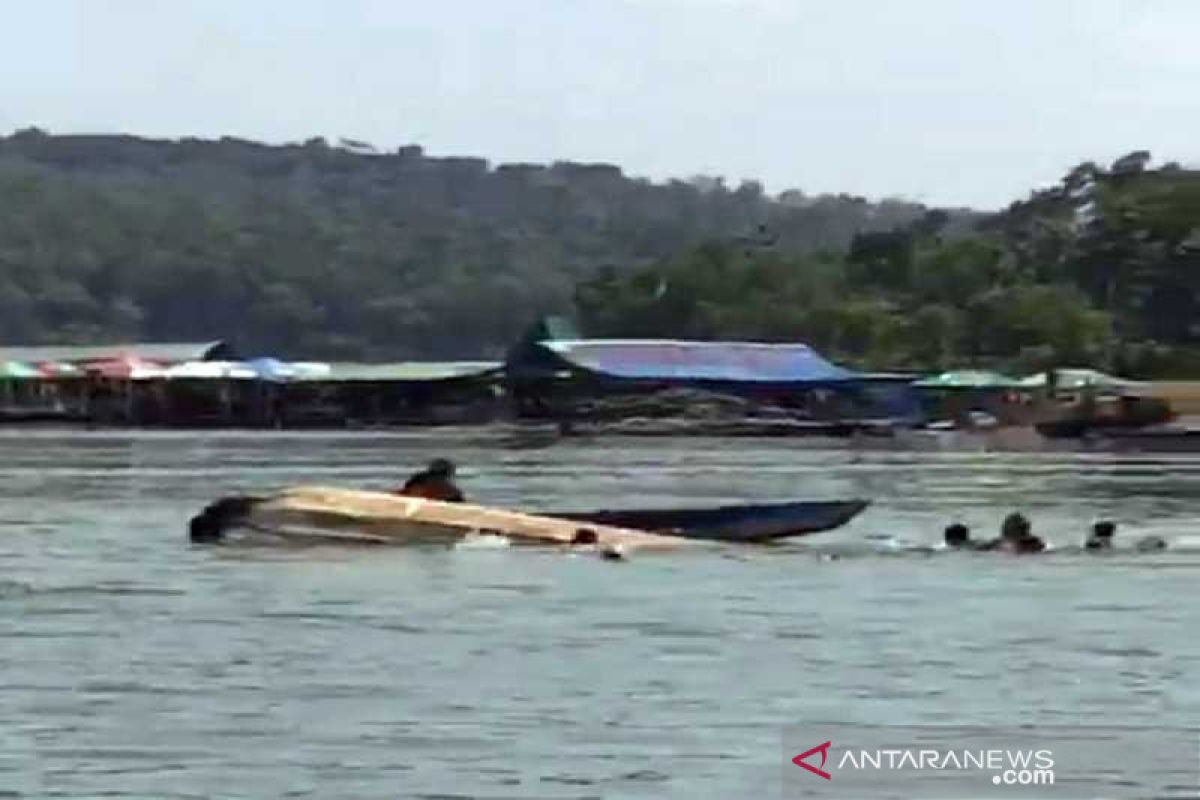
957, 535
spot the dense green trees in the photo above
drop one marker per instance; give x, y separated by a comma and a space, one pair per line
343, 252
312, 250
1102, 269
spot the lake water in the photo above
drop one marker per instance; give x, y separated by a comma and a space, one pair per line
135, 665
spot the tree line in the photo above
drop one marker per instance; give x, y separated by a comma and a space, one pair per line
339, 251
1102, 269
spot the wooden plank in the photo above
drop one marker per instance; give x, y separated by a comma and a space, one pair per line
414, 519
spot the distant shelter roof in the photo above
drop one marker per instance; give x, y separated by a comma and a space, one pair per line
1078, 378
162, 353
747, 362
968, 379
16, 370
126, 368
210, 370
417, 371
59, 369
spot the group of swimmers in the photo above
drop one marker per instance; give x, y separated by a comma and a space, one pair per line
1016, 536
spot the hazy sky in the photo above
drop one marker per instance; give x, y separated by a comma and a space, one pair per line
946, 101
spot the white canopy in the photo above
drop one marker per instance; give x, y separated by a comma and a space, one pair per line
227, 370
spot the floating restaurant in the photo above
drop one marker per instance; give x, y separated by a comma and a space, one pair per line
206, 385
552, 374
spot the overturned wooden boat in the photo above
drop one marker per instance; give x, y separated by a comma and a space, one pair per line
316, 513
740, 523
322, 513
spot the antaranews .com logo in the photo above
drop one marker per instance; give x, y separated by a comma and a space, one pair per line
933, 762
1008, 767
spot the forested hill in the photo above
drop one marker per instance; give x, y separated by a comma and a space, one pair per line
340, 251
1101, 269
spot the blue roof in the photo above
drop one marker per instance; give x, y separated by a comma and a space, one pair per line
270, 369
700, 361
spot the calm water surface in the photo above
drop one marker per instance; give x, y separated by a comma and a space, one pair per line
134, 665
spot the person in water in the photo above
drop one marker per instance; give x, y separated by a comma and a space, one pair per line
435, 482
1102, 536
958, 536
1104, 531
1150, 544
1016, 536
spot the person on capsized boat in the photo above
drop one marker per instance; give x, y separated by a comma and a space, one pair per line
435, 482
1016, 536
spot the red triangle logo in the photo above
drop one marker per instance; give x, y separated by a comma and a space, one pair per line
823, 749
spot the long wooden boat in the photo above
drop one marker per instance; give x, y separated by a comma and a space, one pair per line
741, 523
322, 513
1167, 437
316, 513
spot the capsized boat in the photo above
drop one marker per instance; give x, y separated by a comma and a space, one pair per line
322, 513
740, 523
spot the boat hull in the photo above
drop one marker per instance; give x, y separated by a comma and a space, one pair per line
744, 523
325, 514
1159, 439
350, 516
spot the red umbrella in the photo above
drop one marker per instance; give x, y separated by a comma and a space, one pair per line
124, 368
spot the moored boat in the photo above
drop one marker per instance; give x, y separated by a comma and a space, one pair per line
1153, 438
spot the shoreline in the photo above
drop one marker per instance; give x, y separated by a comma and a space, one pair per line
539, 436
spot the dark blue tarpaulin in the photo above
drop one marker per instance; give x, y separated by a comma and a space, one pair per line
700, 361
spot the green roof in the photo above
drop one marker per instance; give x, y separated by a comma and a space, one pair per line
16, 370
347, 372
968, 379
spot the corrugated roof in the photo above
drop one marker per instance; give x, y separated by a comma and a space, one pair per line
968, 379
169, 353
1077, 378
649, 359
348, 372
211, 370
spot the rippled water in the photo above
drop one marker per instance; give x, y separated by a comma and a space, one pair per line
135, 665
